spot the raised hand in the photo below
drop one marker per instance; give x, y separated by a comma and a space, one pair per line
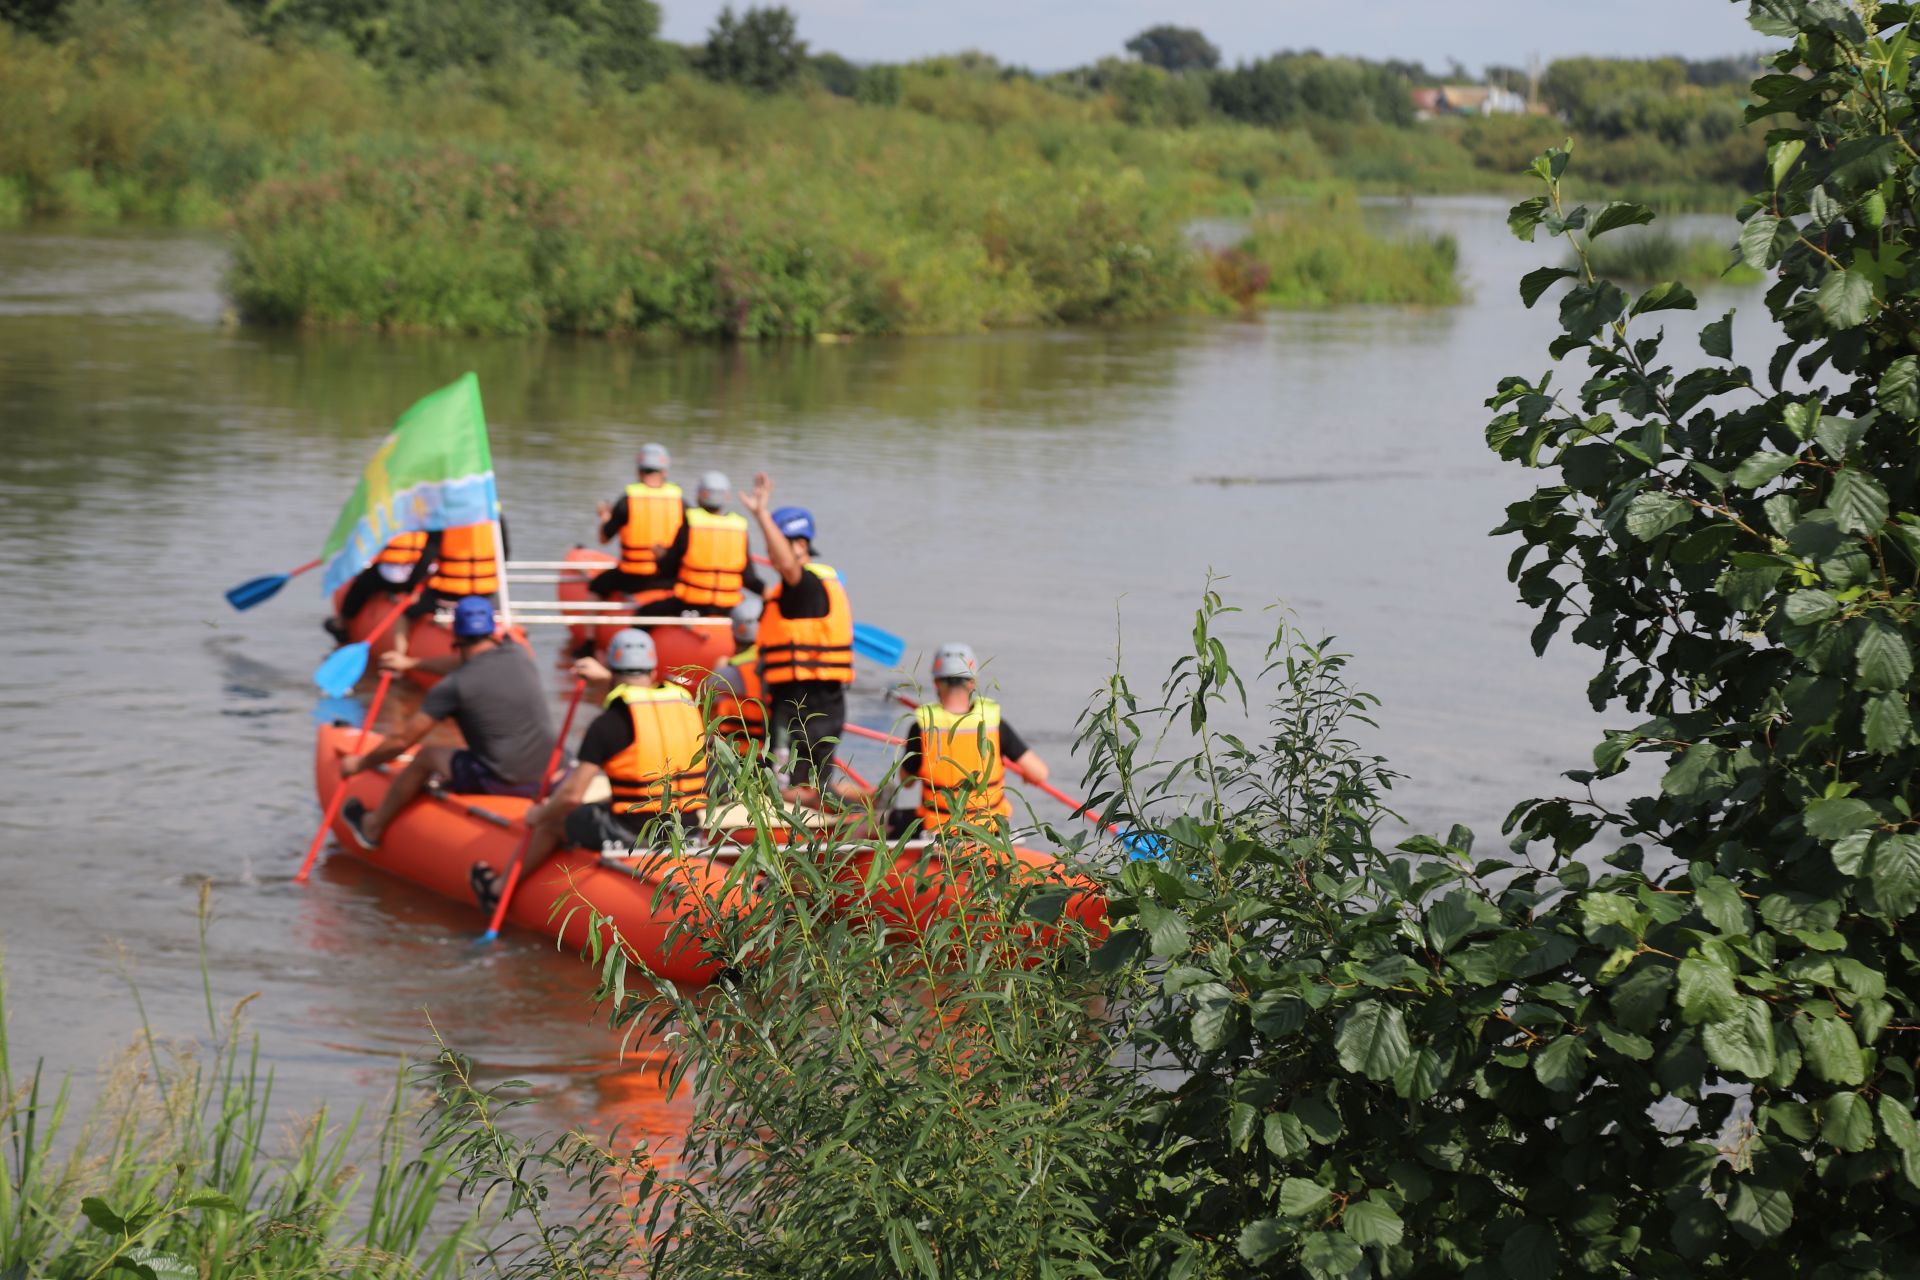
760, 501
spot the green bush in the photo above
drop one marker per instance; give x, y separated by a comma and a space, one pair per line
1656, 255
1325, 257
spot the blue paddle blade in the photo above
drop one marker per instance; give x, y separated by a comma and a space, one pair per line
486, 939
347, 711
883, 647
256, 590
342, 669
1143, 846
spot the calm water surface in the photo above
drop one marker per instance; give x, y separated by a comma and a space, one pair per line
1051, 497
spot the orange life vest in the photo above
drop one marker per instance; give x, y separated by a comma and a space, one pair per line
741, 718
654, 516
468, 566
960, 764
404, 549
715, 564
808, 648
666, 766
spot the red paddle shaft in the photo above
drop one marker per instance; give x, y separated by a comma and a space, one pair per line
311, 564
546, 782
340, 792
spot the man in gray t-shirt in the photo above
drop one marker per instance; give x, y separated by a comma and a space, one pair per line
492, 691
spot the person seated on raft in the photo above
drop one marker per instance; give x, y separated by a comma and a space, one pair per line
708, 561
806, 650
648, 520
649, 744
495, 695
466, 567
402, 565
737, 696
958, 748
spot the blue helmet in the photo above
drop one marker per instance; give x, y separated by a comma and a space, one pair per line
473, 618
794, 522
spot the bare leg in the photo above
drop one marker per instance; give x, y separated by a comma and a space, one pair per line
427, 763
546, 838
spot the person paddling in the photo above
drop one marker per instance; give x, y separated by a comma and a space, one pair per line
647, 520
494, 693
403, 564
708, 561
806, 648
958, 748
648, 743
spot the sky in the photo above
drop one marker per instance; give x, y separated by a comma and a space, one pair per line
1049, 35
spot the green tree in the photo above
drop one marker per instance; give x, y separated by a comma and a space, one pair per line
1174, 48
42, 17
760, 50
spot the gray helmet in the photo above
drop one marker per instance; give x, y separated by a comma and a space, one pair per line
632, 650
746, 619
653, 457
955, 662
714, 488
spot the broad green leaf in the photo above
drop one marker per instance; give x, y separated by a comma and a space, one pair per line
154, 1264
1780, 158
1759, 1213
1618, 213
1214, 1025
1804, 608
1716, 339
1704, 545
1262, 1239
1524, 217
1794, 1119
1285, 1136
1858, 503
208, 1198
1831, 1051
1719, 901
1625, 1043
1883, 659
1758, 241
1899, 389
1742, 1042
1896, 1121
1844, 298
1166, 930
1532, 1251
1668, 295
1539, 280
1318, 1117
1301, 1196
103, 1216
1706, 990
1887, 723
1846, 1121
1371, 1038
1652, 513
1831, 818
1562, 1065
1697, 768
1894, 870
1372, 1223
1762, 468
1333, 1255
1588, 308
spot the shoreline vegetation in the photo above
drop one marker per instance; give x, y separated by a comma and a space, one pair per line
538, 172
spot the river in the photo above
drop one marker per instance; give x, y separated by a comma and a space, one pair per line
1051, 497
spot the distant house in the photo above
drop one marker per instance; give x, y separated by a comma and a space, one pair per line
1467, 100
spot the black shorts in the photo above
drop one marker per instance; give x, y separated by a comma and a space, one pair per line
595, 827
810, 715
468, 775
612, 582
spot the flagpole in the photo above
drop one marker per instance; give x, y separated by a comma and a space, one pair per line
500, 573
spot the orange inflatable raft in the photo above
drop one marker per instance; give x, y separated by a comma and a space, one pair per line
925, 885
682, 648
437, 842
426, 637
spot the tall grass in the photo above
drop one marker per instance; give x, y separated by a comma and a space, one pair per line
180, 1169
1643, 257
1323, 256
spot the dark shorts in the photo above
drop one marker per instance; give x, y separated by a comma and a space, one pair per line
810, 714
470, 776
612, 582
597, 827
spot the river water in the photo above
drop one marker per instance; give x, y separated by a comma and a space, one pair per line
1052, 497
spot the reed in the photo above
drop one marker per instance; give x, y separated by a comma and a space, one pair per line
1644, 257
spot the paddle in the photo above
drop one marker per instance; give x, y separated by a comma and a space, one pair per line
340, 792
519, 859
258, 590
344, 666
883, 647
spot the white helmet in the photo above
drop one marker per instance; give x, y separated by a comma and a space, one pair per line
955, 662
632, 651
746, 619
713, 491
